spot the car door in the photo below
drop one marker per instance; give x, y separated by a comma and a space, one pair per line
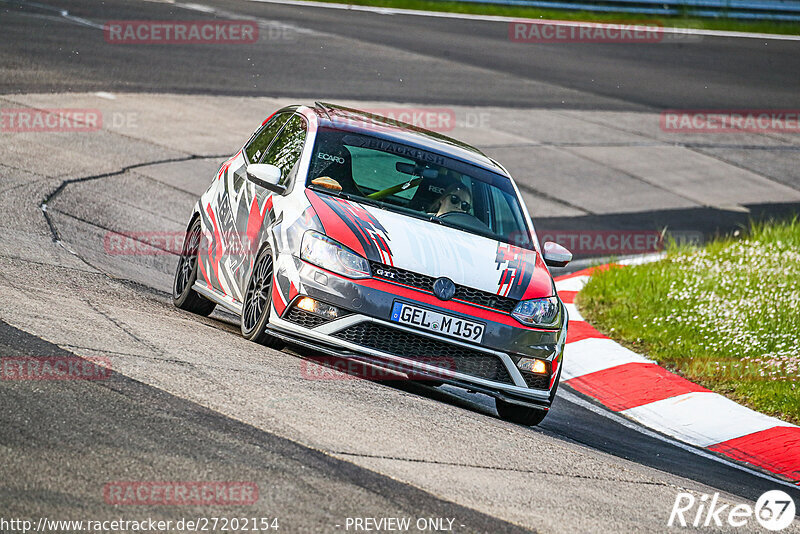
228, 250
259, 208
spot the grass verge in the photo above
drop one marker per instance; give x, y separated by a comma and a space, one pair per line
726, 316
786, 28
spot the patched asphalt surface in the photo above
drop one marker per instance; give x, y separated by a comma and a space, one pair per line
59, 436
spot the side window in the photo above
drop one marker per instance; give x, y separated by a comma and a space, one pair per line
285, 152
508, 218
259, 143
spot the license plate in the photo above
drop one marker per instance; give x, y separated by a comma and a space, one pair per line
437, 322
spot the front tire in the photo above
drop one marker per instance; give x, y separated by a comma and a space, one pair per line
258, 301
183, 296
521, 415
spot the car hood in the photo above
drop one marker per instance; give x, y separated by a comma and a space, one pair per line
431, 249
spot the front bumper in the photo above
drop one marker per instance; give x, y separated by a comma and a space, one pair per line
488, 368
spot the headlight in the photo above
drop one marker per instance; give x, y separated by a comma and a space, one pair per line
545, 313
324, 252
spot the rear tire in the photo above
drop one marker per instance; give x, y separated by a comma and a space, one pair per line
258, 302
183, 296
521, 415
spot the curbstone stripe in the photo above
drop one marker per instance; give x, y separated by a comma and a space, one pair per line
638, 388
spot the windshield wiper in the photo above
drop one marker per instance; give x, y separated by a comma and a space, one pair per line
438, 220
333, 192
348, 196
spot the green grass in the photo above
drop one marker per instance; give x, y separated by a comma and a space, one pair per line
726, 316
791, 28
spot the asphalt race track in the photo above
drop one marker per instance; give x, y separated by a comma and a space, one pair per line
368, 56
189, 399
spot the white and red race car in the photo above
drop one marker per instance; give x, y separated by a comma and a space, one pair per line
361, 237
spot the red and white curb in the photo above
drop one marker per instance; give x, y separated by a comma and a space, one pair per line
638, 388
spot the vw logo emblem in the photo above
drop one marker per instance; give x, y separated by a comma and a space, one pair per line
444, 288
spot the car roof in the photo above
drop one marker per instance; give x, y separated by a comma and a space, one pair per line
358, 121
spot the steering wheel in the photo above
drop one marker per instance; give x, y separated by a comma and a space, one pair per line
383, 193
466, 220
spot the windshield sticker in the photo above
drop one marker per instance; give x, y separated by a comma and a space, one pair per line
330, 157
394, 148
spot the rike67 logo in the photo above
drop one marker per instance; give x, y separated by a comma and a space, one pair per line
774, 510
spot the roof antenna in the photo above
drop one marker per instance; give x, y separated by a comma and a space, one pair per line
322, 106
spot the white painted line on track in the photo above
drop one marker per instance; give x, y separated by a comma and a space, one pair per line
497, 18
574, 399
272, 25
702, 418
57, 12
198, 7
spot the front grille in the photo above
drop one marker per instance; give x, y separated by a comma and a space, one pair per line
401, 276
427, 350
425, 283
484, 298
304, 318
536, 381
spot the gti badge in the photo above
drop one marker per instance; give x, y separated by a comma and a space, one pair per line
444, 288
384, 273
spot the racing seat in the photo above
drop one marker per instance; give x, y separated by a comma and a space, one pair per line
335, 161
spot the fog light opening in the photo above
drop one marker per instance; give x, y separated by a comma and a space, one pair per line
307, 304
318, 308
532, 365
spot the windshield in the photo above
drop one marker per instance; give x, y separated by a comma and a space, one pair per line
419, 183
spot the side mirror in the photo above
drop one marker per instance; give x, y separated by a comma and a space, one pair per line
266, 176
555, 255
